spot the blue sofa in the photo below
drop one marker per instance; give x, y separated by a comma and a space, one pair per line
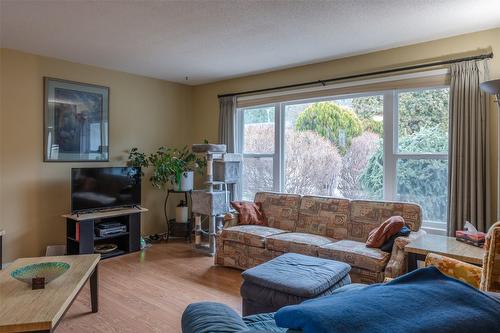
449, 297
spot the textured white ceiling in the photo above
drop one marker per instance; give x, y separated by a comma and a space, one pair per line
213, 40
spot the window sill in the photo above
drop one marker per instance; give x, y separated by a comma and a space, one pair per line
435, 230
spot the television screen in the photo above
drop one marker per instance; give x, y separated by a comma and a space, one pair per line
100, 188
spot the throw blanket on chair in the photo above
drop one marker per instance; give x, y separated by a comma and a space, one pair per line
422, 301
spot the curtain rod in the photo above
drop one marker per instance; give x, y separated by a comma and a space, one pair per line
355, 76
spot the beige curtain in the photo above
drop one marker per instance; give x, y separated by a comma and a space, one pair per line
227, 122
227, 135
469, 174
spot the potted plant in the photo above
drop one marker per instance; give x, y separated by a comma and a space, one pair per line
170, 166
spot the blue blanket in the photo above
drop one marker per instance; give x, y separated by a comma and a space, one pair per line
422, 301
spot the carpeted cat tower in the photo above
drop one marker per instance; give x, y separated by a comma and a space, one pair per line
223, 172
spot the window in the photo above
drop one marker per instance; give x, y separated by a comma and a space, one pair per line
422, 152
390, 145
259, 144
328, 144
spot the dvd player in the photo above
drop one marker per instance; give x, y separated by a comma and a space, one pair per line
106, 229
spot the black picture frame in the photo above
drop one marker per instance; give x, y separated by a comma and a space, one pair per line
76, 121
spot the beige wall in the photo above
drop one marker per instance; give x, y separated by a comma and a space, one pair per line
147, 113
144, 112
205, 103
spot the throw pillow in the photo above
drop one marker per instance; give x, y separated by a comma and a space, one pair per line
249, 212
379, 235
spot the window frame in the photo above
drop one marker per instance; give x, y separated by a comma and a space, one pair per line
390, 140
437, 227
240, 139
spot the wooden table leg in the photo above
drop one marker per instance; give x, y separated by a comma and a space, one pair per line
94, 290
412, 262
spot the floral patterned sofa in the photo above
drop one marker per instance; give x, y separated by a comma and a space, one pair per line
320, 226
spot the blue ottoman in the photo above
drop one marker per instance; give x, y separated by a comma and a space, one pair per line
290, 279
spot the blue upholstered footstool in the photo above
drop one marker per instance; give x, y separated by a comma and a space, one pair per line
290, 279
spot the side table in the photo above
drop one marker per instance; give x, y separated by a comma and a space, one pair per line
174, 227
446, 246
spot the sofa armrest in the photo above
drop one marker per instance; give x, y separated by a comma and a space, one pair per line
231, 219
397, 262
209, 317
454, 268
491, 273
401, 242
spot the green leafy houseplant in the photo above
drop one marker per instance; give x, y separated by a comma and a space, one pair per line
169, 164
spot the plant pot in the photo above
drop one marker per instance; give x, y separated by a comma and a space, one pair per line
186, 182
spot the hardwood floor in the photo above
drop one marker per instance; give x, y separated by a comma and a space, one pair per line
148, 291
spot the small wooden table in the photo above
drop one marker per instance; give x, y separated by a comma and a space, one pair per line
446, 246
26, 310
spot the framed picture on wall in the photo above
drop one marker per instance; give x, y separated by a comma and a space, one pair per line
76, 121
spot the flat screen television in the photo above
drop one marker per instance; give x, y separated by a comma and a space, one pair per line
105, 188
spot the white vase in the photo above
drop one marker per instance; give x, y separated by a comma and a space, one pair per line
187, 182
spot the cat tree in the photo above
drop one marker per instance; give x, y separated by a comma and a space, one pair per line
214, 200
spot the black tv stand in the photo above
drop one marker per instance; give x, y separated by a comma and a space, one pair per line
81, 238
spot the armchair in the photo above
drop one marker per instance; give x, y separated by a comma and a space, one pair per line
486, 278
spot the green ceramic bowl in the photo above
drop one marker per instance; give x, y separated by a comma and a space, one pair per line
47, 270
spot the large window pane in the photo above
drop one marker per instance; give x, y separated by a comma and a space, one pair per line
257, 176
335, 148
423, 121
424, 181
259, 130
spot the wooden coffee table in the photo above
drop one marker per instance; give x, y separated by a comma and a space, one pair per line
26, 310
446, 246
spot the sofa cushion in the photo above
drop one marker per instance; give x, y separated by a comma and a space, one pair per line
368, 215
281, 210
242, 256
324, 216
297, 242
356, 254
253, 235
364, 276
